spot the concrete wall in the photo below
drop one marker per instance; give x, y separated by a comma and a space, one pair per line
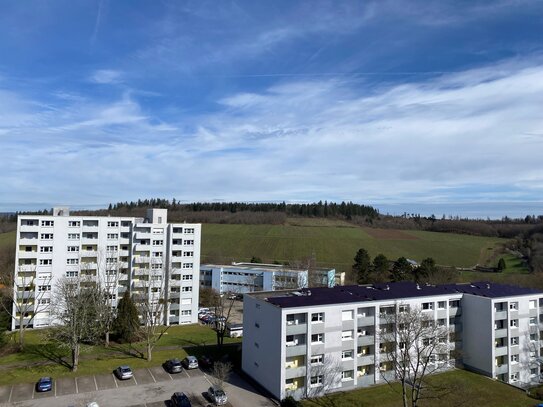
478, 333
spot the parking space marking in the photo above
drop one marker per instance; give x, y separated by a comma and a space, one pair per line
76, 387
115, 380
170, 376
185, 371
95, 384
33, 391
55, 386
135, 381
151, 373
10, 393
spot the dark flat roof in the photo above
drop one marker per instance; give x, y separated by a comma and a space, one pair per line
389, 291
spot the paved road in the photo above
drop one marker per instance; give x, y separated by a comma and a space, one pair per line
149, 388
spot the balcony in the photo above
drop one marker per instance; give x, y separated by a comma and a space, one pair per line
296, 350
366, 321
143, 235
366, 360
177, 259
89, 240
28, 255
25, 294
500, 315
29, 228
501, 369
365, 340
500, 351
292, 372
28, 241
89, 253
366, 380
294, 329
142, 247
500, 333
27, 267
124, 253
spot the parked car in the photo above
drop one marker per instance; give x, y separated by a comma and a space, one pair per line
203, 310
44, 384
173, 366
124, 372
217, 395
205, 362
190, 362
180, 399
92, 404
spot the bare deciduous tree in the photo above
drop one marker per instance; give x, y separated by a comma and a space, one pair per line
222, 305
220, 373
75, 315
416, 348
25, 297
323, 379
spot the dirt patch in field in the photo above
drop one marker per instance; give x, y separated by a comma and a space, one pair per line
389, 234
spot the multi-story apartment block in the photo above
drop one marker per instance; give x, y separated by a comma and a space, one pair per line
494, 329
145, 256
249, 277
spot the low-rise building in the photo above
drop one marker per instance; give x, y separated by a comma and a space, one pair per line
493, 329
250, 277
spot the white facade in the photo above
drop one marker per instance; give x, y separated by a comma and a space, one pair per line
127, 253
288, 335
250, 277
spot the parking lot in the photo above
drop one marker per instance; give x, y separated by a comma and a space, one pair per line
149, 387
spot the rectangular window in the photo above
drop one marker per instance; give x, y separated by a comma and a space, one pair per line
47, 223
74, 223
513, 323
112, 248
317, 317
44, 301
317, 338
513, 306
441, 305
454, 304
158, 242
112, 224
188, 254
347, 315
73, 236
533, 304
112, 236
158, 254
533, 321
187, 277
514, 340
317, 359
427, 306
186, 289
514, 377
187, 265
188, 242
186, 312
347, 375
347, 354
73, 248
46, 236
72, 261
71, 274
316, 381
533, 337
46, 262
155, 266
42, 288
46, 249
346, 335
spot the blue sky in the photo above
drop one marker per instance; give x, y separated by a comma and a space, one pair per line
377, 102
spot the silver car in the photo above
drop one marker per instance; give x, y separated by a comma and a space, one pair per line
124, 372
217, 395
190, 362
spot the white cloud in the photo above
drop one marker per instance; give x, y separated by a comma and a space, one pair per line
106, 76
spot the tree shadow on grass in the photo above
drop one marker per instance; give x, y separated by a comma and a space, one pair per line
127, 349
49, 352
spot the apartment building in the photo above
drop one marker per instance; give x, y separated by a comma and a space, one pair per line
144, 255
249, 277
290, 336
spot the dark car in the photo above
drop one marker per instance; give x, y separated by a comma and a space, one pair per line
205, 361
180, 399
173, 366
44, 384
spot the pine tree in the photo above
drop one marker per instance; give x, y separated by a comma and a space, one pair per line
380, 267
126, 325
361, 266
401, 270
501, 265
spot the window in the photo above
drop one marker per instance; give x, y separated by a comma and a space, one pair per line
533, 304
73, 236
112, 260
42, 288
347, 375
72, 261
71, 274
187, 265
316, 381
46, 236
155, 266
317, 359
188, 242
44, 301
347, 315
441, 305
47, 223
317, 317
513, 377
46, 249
403, 308
513, 306
112, 224
346, 335
74, 223
454, 304
186, 312
188, 254
441, 322
533, 371
112, 236
533, 321
73, 248
513, 323
158, 242
113, 248
426, 306
186, 289
533, 337
514, 358
158, 254
347, 354
187, 277
514, 340
317, 338
46, 262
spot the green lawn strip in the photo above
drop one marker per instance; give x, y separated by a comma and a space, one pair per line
464, 388
41, 358
8, 238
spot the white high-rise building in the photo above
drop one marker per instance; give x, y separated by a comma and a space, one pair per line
126, 253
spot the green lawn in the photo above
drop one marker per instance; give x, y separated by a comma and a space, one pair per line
336, 245
465, 389
7, 238
41, 358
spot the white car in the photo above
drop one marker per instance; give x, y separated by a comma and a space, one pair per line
124, 372
92, 404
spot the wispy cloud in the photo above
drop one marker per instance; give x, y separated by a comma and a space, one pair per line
106, 76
